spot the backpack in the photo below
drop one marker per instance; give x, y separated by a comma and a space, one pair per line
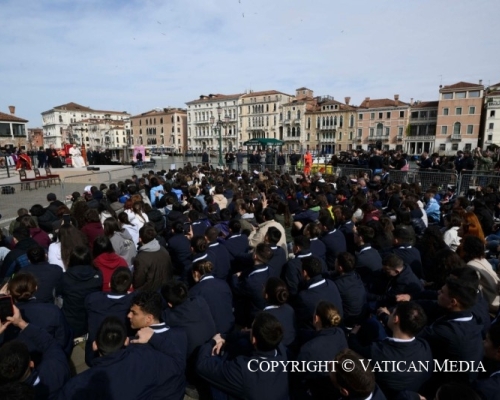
8, 190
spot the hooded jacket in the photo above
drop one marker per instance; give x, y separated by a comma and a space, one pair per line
124, 246
152, 267
107, 263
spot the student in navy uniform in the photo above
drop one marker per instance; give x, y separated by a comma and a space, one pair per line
179, 248
368, 260
218, 253
278, 261
46, 316
236, 243
395, 278
100, 305
51, 373
333, 239
149, 366
351, 289
316, 289
248, 286
276, 295
313, 231
358, 383
489, 388
240, 376
327, 342
199, 222
456, 336
403, 239
292, 273
216, 293
199, 248
48, 276
406, 321
346, 226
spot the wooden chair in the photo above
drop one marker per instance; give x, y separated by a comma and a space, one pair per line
40, 180
25, 181
55, 178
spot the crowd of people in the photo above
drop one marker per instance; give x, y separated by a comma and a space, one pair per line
254, 284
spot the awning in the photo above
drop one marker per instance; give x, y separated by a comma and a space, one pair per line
263, 142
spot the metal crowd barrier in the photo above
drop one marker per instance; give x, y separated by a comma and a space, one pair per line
473, 179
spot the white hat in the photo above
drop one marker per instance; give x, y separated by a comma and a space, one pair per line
87, 189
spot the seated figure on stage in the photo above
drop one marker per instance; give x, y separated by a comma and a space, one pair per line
76, 157
23, 161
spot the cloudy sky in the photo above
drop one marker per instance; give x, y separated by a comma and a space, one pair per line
135, 55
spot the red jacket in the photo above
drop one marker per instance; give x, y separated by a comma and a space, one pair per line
107, 263
91, 231
41, 237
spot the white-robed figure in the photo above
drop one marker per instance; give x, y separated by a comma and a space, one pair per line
76, 157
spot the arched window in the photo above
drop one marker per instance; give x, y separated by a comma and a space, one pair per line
298, 114
189, 130
456, 128
161, 120
289, 115
351, 121
154, 121
288, 131
341, 121
323, 124
293, 132
335, 121
380, 129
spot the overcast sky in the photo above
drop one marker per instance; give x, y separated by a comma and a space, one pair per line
135, 55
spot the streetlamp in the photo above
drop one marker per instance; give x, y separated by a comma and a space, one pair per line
217, 125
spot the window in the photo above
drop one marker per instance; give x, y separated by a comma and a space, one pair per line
400, 131
372, 115
460, 95
380, 129
470, 129
371, 131
401, 114
442, 147
340, 135
350, 135
388, 114
380, 115
444, 130
491, 125
458, 111
387, 131
456, 128
468, 146
472, 110
446, 111
454, 146
414, 114
360, 117
492, 113
490, 138
351, 121
447, 96
360, 132
474, 93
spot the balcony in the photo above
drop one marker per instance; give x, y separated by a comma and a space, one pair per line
399, 138
456, 137
328, 127
291, 138
421, 137
296, 121
202, 122
287, 121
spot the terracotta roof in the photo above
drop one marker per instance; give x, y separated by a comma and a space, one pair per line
426, 104
380, 103
11, 118
461, 85
264, 93
216, 97
302, 88
303, 100
163, 111
494, 93
110, 112
73, 107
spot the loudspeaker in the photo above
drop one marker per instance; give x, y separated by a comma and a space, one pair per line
93, 169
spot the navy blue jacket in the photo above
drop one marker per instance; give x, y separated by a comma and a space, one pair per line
219, 298
222, 265
286, 316
236, 377
411, 257
248, 290
292, 273
278, 261
353, 294
100, 305
140, 371
392, 381
48, 317
48, 279
368, 261
199, 227
456, 336
318, 249
404, 283
53, 370
194, 316
335, 243
489, 389
236, 245
179, 248
317, 289
347, 230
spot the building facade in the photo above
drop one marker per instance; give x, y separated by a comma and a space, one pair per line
57, 121
13, 132
491, 119
421, 132
35, 138
381, 123
208, 114
260, 115
162, 130
459, 117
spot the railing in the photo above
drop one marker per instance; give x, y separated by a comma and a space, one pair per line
421, 137
456, 136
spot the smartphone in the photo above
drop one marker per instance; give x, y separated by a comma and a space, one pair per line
66, 219
6, 308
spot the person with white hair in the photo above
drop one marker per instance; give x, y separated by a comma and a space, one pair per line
76, 157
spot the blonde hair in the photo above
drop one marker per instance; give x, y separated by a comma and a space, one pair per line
328, 314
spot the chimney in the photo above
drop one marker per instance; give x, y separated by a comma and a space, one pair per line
347, 100
396, 100
12, 109
367, 102
411, 101
480, 81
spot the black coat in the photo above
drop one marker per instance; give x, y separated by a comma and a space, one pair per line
335, 243
278, 261
368, 262
286, 316
353, 294
222, 260
411, 257
179, 249
48, 279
